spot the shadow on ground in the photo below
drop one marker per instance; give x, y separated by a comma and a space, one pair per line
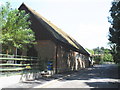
102, 76
97, 74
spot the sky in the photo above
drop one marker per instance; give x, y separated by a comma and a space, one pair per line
84, 20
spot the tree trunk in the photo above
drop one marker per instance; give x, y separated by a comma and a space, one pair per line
0, 48
7, 52
15, 51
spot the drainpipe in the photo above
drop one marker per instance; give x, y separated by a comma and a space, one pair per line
56, 59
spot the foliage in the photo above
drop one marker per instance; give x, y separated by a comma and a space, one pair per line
91, 51
97, 59
102, 54
114, 31
107, 58
15, 28
97, 50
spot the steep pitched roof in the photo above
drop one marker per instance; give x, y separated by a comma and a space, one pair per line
56, 32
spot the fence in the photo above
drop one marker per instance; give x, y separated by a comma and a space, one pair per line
16, 64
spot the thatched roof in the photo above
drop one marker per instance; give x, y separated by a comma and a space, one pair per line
55, 31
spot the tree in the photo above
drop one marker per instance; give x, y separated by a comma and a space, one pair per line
107, 57
102, 54
15, 28
97, 50
114, 30
91, 51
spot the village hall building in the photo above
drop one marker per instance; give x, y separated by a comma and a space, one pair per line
54, 45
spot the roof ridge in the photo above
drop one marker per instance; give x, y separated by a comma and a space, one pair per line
64, 36
61, 32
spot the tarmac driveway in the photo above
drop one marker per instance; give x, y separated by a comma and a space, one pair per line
99, 76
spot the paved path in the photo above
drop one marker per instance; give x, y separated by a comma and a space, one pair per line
99, 76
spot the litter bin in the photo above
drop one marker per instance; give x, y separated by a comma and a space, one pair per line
50, 65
